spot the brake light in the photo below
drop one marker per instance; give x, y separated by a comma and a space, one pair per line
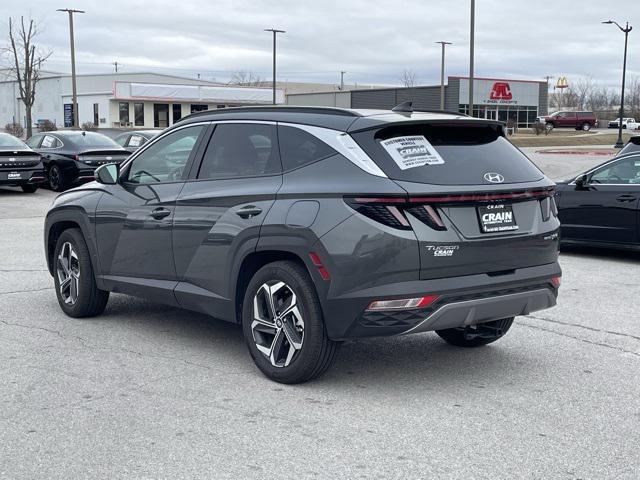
403, 303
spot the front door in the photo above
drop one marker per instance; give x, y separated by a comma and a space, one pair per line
160, 115
220, 211
135, 217
606, 209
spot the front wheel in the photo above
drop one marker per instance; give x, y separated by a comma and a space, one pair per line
29, 187
586, 127
476, 335
78, 295
283, 326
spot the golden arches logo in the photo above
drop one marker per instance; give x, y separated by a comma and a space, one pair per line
562, 82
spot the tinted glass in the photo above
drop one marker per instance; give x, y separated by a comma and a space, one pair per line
165, 160
34, 141
123, 111
625, 171
138, 114
121, 140
467, 152
299, 148
240, 150
50, 141
8, 142
91, 140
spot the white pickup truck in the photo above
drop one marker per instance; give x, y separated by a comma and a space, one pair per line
628, 123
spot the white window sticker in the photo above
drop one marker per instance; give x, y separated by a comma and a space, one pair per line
412, 151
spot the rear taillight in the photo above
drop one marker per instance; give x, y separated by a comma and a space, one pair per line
385, 210
402, 303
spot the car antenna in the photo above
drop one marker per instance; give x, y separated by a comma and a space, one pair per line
406, 107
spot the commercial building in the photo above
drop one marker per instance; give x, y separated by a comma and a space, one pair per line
493, 98
125, 100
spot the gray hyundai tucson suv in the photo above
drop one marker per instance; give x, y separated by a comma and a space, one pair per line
310, 226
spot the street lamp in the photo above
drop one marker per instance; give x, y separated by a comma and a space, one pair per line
625, 30
275, 32
442, 74
74, 91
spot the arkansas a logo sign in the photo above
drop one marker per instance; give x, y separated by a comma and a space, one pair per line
500, 91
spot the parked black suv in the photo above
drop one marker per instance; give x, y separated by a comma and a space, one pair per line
19, 165
313, 225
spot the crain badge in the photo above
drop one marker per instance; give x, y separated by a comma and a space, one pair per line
442, 250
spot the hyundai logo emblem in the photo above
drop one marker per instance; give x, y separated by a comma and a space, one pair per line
493, 177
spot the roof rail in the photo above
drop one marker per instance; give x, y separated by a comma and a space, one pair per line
272, 108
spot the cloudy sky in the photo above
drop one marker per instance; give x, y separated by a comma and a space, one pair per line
373, 40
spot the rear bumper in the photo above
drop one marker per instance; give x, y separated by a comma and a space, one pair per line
462, 301
22, 176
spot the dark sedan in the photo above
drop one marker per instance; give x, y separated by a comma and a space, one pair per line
132, 141
19, 165
601, 206
70, 156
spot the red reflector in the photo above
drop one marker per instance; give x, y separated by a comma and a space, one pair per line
555, 281
322, 270
428, 300
403, 303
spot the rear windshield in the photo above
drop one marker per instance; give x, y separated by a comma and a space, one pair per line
94, 140
446, 154
8, 142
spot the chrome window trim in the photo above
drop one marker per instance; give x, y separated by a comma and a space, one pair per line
344, 144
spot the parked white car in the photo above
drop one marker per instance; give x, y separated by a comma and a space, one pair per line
625, 122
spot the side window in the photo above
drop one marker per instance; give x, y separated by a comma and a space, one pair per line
299, 148
240, 150
165, 160
623, 171
122, 140
50, 142
34, 141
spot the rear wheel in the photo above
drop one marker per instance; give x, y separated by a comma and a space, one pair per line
78, 295
57, 182
476, 335
283, 326
586, 127
29, 187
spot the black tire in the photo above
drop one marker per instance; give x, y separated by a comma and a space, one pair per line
57, 182
29, 187
317, 351
586, 127
91, 301
464, 336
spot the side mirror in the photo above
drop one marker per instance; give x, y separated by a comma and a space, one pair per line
107, 174
583, 181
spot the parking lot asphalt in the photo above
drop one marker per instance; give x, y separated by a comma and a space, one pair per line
147, 391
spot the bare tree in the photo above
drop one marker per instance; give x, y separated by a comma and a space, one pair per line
26, 60
246, 79
408, 78
632, 97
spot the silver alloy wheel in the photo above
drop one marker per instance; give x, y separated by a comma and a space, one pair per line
277, 326
68, 271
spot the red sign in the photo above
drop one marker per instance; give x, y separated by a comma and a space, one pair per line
500, 91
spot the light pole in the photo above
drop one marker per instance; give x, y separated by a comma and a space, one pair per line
625, 30
275, 32
342, 72
74, 91
471, 52
444, 44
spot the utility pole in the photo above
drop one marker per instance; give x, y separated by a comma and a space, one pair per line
74, 90
115, 64
625, 30
342, 72
547, 78
444, 44
471, 53
275, 32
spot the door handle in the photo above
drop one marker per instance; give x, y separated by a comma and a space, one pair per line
160, 213
626, 198
249, 211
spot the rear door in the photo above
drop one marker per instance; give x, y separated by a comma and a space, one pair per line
220, 211
606, 209
135, 217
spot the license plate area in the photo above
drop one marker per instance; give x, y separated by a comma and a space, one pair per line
14, 176
496, 217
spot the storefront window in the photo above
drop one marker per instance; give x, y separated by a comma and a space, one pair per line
138, 109
124, 112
